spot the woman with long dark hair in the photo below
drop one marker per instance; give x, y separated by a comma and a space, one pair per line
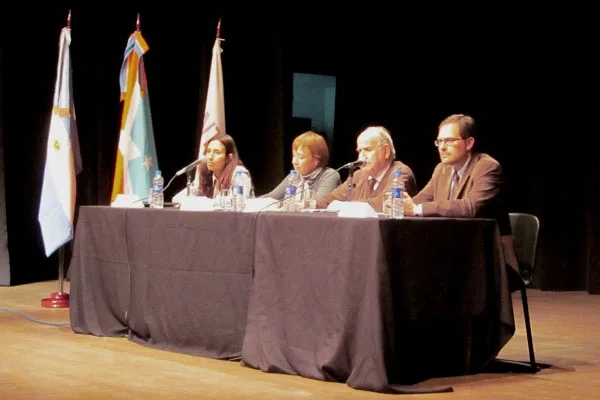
222, 162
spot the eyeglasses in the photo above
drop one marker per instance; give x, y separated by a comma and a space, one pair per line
448, 141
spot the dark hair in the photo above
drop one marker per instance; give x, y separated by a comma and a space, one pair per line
466, 125
206, 177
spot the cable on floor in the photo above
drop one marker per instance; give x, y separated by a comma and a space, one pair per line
19, 313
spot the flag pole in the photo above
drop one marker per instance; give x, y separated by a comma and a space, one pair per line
61, 298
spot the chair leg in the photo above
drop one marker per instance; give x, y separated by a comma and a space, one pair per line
534, 366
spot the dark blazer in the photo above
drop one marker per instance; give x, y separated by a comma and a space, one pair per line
479, 192
362, 191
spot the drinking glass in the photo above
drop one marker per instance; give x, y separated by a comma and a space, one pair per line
309, 200
225, 200
387, 204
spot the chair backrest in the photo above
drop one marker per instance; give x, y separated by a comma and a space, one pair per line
525, 229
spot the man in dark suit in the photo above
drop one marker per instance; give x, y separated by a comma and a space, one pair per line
376, 148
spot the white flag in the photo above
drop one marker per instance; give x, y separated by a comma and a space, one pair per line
214, 109
63, 159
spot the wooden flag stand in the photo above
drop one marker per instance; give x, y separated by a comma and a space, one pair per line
58, 299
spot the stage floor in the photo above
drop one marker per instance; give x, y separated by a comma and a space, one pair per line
49, 361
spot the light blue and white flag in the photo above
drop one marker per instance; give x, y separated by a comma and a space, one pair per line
63, 158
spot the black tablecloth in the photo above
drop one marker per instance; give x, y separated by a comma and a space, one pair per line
376, 302
182, 278
369, 302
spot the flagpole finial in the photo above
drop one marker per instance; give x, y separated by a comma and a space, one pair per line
219, 29
137, 23
69, 20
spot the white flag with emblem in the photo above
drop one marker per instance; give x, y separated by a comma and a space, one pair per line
63, 159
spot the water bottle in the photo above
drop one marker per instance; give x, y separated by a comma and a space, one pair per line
289, 200
397, 192
237, 190
158, 198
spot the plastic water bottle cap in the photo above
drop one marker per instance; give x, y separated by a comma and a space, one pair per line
157, 172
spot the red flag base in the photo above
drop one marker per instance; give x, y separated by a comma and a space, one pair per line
56, 300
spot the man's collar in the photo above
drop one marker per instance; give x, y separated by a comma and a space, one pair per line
461, 170
381, 174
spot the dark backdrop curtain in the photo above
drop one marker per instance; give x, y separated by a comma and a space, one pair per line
4, 259
532, 86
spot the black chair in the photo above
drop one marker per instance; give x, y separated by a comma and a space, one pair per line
525, 229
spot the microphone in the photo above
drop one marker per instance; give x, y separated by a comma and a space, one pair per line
353, 164
191, 166
182, 171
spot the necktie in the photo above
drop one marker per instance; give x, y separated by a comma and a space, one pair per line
453, 184
372, 183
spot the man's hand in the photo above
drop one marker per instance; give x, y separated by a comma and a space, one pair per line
409, 204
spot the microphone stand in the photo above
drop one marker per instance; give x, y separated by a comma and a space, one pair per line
189, 182
350, 183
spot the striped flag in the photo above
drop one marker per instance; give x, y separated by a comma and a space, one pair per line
63, 158
214, 109
136, 153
